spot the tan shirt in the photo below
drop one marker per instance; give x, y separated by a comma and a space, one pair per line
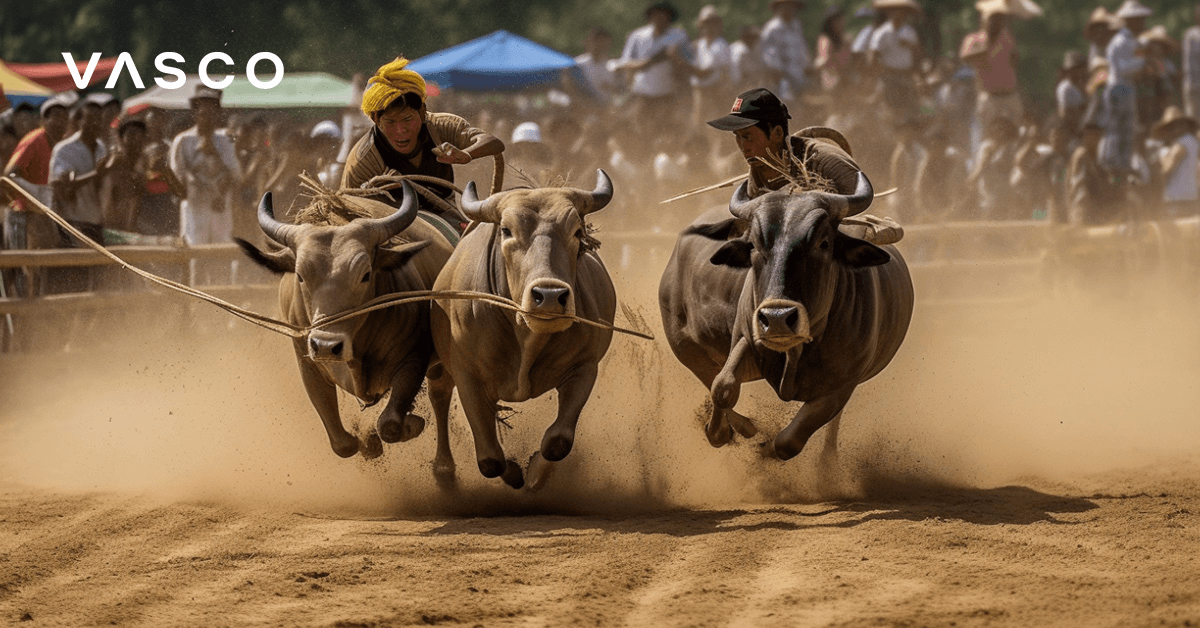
365, 162
824, 152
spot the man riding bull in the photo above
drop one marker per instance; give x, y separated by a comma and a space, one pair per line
408, 139
813, 158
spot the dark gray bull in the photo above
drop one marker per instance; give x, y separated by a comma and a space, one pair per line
530, 246
331, 269
777, 292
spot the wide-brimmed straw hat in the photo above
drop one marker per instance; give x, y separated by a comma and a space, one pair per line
1132, 9
1100, 18
911, 5
1173, 119
1158, 34
1020, 9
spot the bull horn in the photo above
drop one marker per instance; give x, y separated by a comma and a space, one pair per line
741, 197
860, 200
280, 232
601, 196
475, 209
400, 219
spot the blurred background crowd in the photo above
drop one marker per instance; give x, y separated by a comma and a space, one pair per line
968, 129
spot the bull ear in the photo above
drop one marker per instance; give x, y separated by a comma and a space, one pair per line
858, 253
278, 262
388, 258
734, 253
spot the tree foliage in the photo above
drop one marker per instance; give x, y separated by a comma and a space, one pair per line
348, 36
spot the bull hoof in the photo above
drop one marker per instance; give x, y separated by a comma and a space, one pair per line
785, 450
719, 435
513, 476
346, 448
399, 431
371, 447
556, 448
443, 474
537, 472
492, 468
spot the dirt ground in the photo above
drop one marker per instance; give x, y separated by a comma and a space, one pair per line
1035, 464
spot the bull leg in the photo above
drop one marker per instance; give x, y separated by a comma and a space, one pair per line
323, 396
572, 395
725, 391
813, 415
829, 453
395, 423
481, 415
440, 389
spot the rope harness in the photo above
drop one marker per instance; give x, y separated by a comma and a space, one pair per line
294, 331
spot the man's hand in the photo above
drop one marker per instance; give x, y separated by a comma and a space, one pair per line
448, 153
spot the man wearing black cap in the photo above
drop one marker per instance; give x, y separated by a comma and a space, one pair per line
758, 120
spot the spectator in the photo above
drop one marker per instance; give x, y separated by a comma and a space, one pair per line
1071, 102
1099, 30
862, 41
77, 165
1157, 86
746, 60
657, 56
1191, 65
1093, 197
711, 78
785, 51
8, 136
833, 51
893, 55
992, 53
24, 119
324, 140
1178, 159
993, 165
600, 82
204, 159
529, 154
122, 187
1126, 63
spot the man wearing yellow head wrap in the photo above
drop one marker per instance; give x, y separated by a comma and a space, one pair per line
409, 139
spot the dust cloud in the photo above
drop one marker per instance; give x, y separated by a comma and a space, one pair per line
1080, 379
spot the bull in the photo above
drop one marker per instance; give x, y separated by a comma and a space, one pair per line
531, 246
333, 268
777, 292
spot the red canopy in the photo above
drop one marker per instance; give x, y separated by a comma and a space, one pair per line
57, 76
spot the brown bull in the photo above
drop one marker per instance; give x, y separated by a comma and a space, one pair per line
531, 247
331, 269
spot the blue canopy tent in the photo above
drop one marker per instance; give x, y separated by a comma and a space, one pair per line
496, 62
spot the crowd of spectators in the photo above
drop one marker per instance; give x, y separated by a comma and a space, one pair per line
956, 134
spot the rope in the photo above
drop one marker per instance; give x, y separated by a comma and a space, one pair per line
294, 331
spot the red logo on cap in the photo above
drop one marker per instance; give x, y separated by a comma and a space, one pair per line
737, 106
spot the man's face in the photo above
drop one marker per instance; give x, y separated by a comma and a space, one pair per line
401, 127
55, 121
754, 143
206, 111
786, 11
659, 19
89, 119
133, 140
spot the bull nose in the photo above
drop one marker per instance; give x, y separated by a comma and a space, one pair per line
778, 320
326, 347
550, 296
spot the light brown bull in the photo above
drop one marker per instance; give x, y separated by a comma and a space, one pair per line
531, 247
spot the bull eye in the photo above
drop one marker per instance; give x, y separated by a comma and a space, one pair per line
506, 232
824, 245
366, 276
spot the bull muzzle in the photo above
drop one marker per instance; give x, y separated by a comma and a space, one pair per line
327, 346
546, 304
780, 325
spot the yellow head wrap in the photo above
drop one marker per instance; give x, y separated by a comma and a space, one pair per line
390, 82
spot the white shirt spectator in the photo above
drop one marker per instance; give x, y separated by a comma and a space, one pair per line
746, 63
600, 79
72, 155
712, 55
1123, 58
1191, 60
886, 43
1180, 185
1068, 97
862, 41
658, 78
785, 50
206, 217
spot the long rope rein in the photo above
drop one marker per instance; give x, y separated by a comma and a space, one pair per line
294, 331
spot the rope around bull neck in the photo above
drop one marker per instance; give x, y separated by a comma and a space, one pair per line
294, 331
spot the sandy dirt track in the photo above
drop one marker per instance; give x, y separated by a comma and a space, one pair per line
1037, 465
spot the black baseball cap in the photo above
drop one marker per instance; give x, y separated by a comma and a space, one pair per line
750, 108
